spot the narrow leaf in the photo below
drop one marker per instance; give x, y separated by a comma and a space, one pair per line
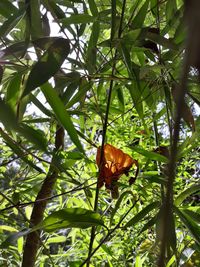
47, 65
61, 113
118, 203
183, 195
138, 217
18, 151
71, 218
93, 7
140, 17
37, 137
150, 154
11, 22
77, 19
188, 221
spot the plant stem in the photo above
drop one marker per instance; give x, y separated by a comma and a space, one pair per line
171, 172
92, 237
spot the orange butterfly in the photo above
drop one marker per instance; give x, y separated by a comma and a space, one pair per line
114, 163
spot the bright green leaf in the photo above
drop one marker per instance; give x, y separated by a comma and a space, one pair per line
71, 218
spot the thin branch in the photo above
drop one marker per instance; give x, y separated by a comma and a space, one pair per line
20, 205
171, 172
92, 237
107, 236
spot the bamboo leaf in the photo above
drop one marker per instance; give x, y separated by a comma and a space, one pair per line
140, 215
188, 221
49, 63
77, 19
11, 22
150, 154
70, 218
61, 113
140, 17
183, 195
118, 203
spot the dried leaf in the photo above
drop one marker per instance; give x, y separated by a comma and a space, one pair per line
114, 163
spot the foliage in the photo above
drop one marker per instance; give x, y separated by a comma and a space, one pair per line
76, 75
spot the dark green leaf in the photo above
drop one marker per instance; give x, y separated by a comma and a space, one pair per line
140, 215
61, 113
183, 195
150, 154
92, 50
84, 86
77, 19
162, 41
136, 96
34, 17
191, 224
118, 203
47, 65
140, 17
1, 74
171, 8
93, 7
11, 22
7, 8
194, 215
71, 218
7, 116
37, 137
18, 151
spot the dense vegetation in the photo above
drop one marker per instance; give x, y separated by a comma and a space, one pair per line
76, 75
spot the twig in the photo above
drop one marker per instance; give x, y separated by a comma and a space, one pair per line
92, 237
107, 236
171, 172
18, 205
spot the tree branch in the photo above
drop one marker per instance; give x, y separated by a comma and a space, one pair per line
32, 241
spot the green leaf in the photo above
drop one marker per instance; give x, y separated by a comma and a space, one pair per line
136, 96
34, 16
93, 7
120, 97
140, 17
7, 116
18, 151
171, 8
77, 19
113, 20
1, 73
127, 59
7, 8
40, 106
11, 22
140, 215
150, 154
70, 218
11, 239
37, 137
49, 63
150, 223
194, 215
56, 239
61, 113
84, 86
183, 195
188, 221
92, 50
168, 43
118, 203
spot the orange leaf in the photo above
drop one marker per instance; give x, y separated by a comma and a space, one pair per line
114, 163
